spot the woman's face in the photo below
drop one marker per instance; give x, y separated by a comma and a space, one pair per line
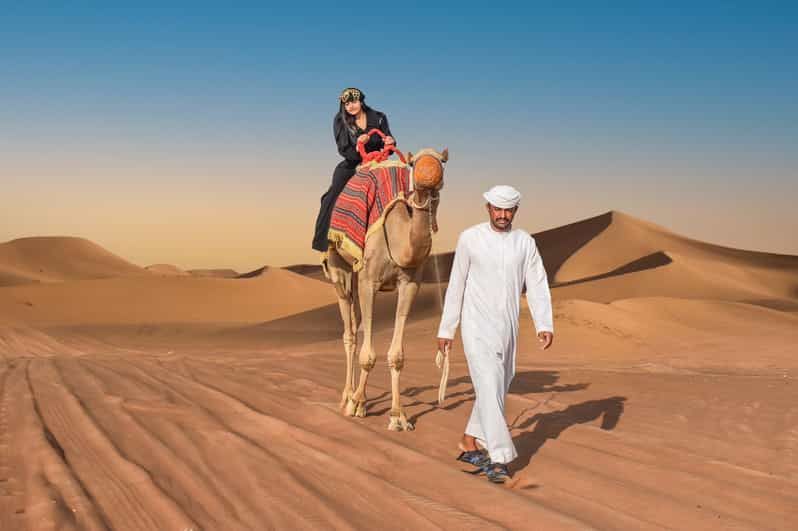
353, 107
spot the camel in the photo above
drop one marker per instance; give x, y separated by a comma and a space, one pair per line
393, 258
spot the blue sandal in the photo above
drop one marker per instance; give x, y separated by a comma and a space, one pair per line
474, 457
496, 472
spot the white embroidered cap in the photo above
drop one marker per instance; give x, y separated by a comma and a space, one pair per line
503, 196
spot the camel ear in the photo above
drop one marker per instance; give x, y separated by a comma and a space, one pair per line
410, 158
445, 155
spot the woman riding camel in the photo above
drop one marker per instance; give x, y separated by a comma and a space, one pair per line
350, 124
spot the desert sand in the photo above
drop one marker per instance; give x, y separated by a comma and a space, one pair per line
158, 398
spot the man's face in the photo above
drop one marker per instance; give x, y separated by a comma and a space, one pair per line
501, 218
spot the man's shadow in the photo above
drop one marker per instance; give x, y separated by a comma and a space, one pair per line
551, 425
541, 382
524, 382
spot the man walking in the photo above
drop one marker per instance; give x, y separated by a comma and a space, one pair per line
491, 264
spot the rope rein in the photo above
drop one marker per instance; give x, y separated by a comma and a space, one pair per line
378, 156
411, 202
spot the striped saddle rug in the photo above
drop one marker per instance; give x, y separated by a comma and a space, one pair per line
360, 209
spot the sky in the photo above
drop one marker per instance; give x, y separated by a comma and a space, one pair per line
200, 134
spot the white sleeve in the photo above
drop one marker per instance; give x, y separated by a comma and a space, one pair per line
453, 304
538, 295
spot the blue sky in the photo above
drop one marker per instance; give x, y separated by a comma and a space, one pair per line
664, 112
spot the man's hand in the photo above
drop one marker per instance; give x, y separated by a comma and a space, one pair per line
545, 338
389, 140
444, 344
362, 139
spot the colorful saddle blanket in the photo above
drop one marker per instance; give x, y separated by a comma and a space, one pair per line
360, 208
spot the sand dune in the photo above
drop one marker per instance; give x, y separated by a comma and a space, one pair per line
616, 256
213, 273
167, 401
53, 259
166, 270
326, 320
163, 299
687, 277
254, 273
626, 241
308, 270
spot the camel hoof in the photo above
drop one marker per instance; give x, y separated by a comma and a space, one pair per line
350, 408
355, 408
346, 398
400, 424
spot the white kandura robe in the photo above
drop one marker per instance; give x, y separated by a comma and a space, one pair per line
488, 273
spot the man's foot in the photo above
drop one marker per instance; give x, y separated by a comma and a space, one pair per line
477, 458
469, 444
497, 472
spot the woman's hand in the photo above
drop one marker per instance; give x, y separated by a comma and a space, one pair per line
389, 141
362, 139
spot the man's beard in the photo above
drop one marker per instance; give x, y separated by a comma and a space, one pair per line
506, 225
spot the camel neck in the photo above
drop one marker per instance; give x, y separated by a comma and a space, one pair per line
420, 240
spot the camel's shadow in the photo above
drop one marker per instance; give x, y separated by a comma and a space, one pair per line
523, 383
551, 425
467, 394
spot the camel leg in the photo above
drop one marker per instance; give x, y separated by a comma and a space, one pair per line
345, 305
355, 318
396, 356
366, 292
345, 283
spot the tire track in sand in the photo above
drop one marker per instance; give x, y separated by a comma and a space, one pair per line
37, 489
124, 493
207, 445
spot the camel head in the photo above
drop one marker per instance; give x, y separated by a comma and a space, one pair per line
427, 167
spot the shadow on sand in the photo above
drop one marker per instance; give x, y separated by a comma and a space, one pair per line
546, 425
650, 261
551, 425
523, 383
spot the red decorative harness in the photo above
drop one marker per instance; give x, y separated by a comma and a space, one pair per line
378, 156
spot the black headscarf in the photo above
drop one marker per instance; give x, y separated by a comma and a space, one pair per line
347, 95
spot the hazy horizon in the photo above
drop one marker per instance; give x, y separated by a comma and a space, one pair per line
442, 243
